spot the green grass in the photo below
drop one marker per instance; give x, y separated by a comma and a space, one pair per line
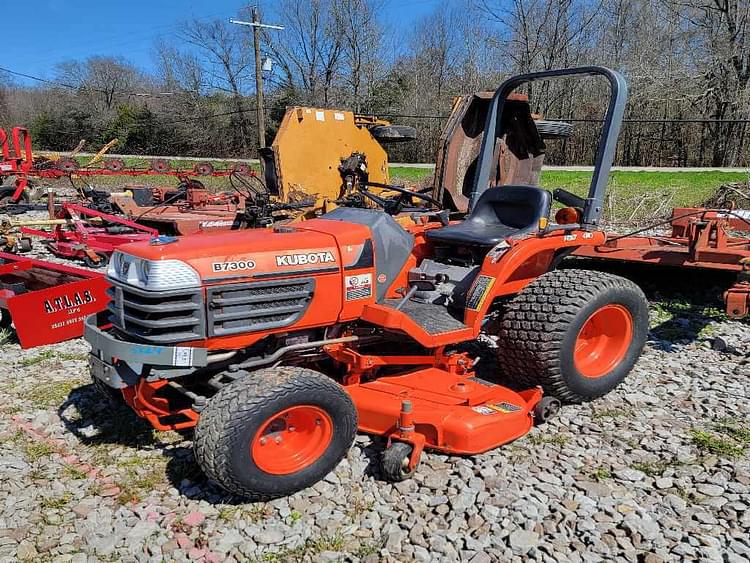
690, 188
37, 450
602, 474
709, 442
51, 393
400, 174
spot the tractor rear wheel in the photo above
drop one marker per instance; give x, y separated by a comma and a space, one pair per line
274, 431
577, 333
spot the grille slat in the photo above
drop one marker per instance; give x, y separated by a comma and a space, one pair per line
257, 306
257, 298
159, 317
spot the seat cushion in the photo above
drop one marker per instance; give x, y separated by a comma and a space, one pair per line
471, 234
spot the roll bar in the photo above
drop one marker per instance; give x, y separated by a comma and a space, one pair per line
605, 153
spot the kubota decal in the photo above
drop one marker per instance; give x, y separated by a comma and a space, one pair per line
68, 301
305, 259
233, 266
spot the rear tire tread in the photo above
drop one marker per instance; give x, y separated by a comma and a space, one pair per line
535, 321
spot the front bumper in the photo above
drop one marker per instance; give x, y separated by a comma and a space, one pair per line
120, 364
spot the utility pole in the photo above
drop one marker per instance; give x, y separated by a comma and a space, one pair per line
260, 109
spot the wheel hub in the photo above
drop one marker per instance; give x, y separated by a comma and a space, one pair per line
292, 440
603, 341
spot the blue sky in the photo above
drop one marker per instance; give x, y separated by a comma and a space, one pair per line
61, 30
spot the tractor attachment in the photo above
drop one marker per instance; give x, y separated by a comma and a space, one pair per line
46, 303
714, 240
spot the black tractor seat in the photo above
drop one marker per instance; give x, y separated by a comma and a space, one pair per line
500, 212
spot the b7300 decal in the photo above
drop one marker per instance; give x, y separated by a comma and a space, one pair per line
233, 266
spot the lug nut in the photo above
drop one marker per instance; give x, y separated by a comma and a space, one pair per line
278, 439
263, 441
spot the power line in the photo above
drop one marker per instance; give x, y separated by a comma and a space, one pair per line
585, 120
73, 87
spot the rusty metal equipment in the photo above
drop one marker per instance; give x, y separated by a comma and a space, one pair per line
703, 239
519, 154
188, 209
46, 303
17, 163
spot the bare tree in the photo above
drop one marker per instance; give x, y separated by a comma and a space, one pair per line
104, 79
226, 57
309, 50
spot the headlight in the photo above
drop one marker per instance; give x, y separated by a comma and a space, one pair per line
154, 275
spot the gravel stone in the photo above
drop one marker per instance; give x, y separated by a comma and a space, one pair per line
623, 478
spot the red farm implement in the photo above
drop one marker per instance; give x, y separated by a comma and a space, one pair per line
703, 239
18, 161
85, 234
45, 302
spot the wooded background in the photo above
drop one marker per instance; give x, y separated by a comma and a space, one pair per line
687, 63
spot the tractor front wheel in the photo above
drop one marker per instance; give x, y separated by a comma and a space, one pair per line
274, 432
577, 333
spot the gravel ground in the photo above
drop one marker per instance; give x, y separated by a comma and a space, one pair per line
657, 471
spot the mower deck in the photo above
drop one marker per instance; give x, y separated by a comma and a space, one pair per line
459, 414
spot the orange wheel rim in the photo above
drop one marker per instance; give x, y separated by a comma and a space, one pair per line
603, 341
292, 439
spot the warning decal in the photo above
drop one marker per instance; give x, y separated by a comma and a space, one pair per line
479, 292
358, 287
505, 407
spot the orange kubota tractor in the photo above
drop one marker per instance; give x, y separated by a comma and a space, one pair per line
277, 346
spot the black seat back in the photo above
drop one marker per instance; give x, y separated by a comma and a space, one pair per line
518, 207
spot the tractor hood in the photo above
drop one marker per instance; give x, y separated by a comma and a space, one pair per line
256, 253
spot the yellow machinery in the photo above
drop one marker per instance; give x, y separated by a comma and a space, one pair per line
312, 153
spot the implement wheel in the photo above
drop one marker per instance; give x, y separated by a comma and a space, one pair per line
274, 432
577, 333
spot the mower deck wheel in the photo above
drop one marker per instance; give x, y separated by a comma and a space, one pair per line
577, 333
546, 410
274, 431
395, 462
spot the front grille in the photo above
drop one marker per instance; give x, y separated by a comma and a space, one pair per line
257, 306
159, 317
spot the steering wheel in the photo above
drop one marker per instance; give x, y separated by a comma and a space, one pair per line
393, 206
